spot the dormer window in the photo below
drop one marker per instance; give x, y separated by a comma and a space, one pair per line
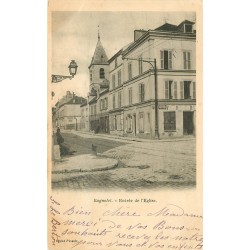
188, 28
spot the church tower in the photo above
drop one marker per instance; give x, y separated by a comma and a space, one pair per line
99, 67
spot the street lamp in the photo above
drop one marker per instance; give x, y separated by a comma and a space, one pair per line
153, 65
72, 70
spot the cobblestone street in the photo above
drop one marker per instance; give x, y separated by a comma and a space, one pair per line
141, 165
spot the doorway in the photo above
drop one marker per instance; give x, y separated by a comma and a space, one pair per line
188, 123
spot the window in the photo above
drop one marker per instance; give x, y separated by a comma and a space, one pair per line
140, 65
119, 99
170, 90
102, 73
130, 96
187, 59
169, 121
119, 78
141, 122
141, 92
113, 101
188, 28
166, 59
113, 81
129, 71
102, 58
116, 62
187, 89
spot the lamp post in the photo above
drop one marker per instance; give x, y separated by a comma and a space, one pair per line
154, 67
72, 70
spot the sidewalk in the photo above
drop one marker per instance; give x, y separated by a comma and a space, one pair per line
83, 163
128, 139
76, 166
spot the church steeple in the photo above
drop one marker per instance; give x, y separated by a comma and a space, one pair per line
99, 66
100, 56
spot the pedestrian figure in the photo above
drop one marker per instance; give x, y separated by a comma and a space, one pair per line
64, 148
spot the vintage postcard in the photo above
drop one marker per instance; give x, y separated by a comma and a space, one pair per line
124, 125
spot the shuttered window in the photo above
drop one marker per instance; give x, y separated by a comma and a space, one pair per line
187, 59
119, 77
141, 92
166, 59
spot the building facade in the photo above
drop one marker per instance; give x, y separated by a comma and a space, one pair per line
67, 112
148, 88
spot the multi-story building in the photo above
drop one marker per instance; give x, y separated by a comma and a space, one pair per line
160, 102
67, 111
116, 94
148, 88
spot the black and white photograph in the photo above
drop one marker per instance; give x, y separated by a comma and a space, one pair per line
123, 95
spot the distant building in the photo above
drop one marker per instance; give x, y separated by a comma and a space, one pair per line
67, 112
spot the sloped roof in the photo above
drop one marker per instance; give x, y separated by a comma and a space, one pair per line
100, 56
167, 27
172, 27
76, 100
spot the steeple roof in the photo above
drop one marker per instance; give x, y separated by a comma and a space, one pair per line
100, 56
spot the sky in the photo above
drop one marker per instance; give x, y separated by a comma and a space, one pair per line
75, 33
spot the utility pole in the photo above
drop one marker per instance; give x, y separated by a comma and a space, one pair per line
156, 102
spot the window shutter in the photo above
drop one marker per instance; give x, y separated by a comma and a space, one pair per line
143, 92
189, 60
184, 59
182, 89
162, 59
194, 90
175, 90
170, 60
166, 90
140, 93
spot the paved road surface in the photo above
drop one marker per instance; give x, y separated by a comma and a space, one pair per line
141, 166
